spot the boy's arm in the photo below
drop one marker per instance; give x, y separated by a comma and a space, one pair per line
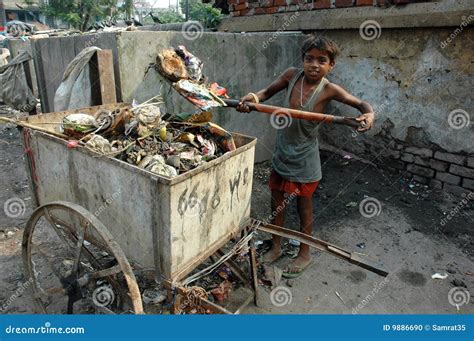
276, 86
367, 113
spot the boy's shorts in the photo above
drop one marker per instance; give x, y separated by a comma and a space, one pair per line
300, 189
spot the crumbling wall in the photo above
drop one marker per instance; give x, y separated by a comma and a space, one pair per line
420, 86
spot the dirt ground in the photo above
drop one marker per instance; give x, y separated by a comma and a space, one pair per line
408, 236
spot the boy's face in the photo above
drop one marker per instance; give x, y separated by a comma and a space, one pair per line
316, 64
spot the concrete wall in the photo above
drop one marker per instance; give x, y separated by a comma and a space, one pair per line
239, 62
413, 82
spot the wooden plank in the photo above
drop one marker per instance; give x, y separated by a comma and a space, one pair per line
106, 76
104, 40
40, 73
52, 55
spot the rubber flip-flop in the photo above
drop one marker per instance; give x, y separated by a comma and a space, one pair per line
296, 274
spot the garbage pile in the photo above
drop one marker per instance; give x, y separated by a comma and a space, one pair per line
168, 145
184, 71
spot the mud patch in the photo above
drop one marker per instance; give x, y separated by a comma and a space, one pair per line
413, 278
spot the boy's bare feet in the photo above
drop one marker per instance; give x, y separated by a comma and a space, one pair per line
272, 255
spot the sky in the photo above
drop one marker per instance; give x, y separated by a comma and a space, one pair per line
161, 3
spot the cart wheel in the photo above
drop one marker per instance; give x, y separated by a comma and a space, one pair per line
73, 263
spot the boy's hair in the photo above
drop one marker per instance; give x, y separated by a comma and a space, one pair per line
321, 43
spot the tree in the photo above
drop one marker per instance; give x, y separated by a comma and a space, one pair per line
166, 16
80, 13
204, 13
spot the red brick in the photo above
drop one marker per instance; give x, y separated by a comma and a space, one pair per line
344, 3
240, 7
364, 2
382, 3
280, 3
260, 10
248, 11
232, 2
320, 4
271, 10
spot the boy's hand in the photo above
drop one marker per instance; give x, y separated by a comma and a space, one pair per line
245, 108
367, 121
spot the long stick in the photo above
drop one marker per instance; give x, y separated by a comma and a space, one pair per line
27, 125
306, 115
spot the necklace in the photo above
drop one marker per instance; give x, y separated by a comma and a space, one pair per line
302, 106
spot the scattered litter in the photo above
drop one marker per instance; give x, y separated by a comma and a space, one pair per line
225, 272
339, 296
348, 157
222, 291
291, 253
469, 273
294, 242
352, 204
99, 144
458, 283
361, 245
153, 296
78, 123
439, 276
193, 64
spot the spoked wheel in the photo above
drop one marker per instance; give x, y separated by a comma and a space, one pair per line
73, 264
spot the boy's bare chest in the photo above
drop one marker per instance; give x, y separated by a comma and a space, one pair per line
301, 96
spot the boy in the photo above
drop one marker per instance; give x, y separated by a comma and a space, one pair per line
296, 164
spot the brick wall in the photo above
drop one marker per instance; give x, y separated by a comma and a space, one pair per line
256, 7
451, 172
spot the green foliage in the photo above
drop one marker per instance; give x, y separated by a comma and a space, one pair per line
78, 13
204, 13
166, 16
